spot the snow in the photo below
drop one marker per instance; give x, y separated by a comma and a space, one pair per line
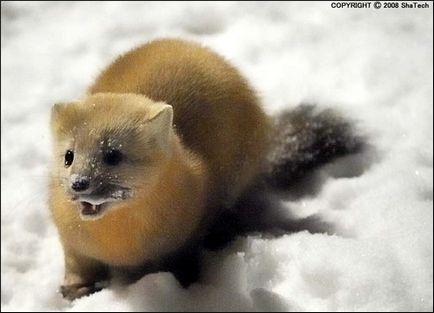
375, 66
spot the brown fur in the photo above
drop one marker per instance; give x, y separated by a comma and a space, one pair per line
181, 179
216, 113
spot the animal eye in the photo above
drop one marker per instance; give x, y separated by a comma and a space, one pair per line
69, 157
112, 157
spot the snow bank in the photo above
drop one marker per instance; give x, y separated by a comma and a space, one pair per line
373, 65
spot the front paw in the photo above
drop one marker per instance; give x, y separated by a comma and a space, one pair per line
75, 291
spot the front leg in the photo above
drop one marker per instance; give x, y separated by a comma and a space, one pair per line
82, 275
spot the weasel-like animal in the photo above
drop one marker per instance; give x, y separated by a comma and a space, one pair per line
162, 149
167, 137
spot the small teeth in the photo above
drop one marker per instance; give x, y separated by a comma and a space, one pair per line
94, 201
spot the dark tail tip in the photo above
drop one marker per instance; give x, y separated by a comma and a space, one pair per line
305, 139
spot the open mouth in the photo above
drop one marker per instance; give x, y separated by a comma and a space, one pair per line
91, 210
92, 207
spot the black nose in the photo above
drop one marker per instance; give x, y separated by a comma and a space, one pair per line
80, 184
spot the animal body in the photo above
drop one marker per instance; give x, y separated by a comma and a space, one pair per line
163, 143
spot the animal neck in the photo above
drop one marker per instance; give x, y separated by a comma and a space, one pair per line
180, 178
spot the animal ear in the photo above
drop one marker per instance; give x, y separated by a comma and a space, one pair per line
160, 122
161, 114
64, 116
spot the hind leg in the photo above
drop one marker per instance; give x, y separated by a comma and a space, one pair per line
185, 264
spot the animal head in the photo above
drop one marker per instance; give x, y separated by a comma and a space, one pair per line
109, 147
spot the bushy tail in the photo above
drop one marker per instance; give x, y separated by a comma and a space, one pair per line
304, 139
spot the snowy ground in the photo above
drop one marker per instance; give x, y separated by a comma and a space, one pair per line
373, 65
